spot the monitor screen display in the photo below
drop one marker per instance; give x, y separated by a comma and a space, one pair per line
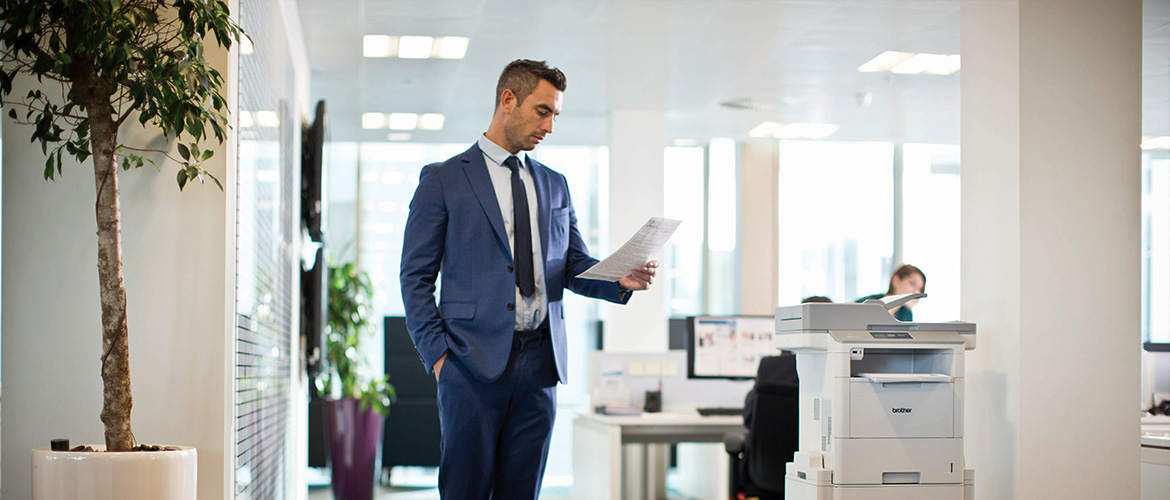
728, 346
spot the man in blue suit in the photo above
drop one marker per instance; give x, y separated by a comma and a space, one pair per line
496, 339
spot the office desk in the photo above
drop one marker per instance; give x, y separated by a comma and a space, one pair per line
1155, 458
599, 468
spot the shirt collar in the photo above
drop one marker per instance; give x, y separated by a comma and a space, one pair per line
498, 154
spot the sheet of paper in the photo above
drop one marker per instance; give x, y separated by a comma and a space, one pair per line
634, 253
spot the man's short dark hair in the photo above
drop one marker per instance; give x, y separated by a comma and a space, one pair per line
523, 75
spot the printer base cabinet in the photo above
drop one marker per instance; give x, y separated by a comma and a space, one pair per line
807, 479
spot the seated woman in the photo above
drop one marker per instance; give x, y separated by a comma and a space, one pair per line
907, 279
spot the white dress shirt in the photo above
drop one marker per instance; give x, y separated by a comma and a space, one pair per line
530, 311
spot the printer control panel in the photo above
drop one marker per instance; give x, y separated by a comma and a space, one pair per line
891, 335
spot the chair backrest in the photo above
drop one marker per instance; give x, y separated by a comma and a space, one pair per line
773, 424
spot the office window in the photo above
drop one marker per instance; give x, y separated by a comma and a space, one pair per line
683, 187
265, 341
836, 219
930, 225
722, 277
1155, 246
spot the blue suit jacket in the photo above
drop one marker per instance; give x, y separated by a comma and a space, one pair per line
455, 226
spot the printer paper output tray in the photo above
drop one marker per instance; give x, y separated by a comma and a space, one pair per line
896, 378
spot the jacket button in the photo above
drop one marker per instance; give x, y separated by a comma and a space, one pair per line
509, 268
511, 306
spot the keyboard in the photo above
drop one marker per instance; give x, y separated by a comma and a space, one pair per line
708, 412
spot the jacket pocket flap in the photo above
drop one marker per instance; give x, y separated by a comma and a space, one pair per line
457, 310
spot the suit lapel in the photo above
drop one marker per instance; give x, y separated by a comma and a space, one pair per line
481, 183
540, 178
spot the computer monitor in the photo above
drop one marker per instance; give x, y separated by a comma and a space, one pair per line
728, 346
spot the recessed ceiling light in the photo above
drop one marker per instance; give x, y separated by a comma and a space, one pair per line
398, 136
373, 120
806, 131
452, 47
884, 61
431, 121
918, 63
945, 65
267, 119
765, 129
403, 121
245, 119
379, 46
1162, 142
414, 47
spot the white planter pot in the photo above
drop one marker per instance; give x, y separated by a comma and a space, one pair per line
132, 475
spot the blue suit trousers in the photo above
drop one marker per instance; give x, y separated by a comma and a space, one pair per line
496, 435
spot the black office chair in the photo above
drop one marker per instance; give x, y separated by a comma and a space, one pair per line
760, 452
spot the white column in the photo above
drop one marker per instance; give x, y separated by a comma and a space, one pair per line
1051, 112
759, 227
636, 142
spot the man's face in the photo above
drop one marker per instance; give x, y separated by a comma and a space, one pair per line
528, 122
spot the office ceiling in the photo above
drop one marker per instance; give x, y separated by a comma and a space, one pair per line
787, 60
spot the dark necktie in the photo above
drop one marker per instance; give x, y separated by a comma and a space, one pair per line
522, 231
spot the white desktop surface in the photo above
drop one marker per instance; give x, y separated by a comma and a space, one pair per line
598, 439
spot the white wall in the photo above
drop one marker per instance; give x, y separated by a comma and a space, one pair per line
179, 255
1051, 118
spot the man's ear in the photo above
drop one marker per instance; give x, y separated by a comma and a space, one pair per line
507, 100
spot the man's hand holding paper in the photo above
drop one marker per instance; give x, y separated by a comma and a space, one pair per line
630, 265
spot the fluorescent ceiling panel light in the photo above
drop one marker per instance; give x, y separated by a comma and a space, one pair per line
414, 47
377, 46
373, 120
451, 47
884, 61
431, 121
945, 65
245, 119
685, 143
246, 45
806, 131
403, 121
918, 63
398, 136
765, 129
1162, 142
267, 119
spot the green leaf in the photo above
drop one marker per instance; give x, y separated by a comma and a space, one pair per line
182, 178
207, 154
184, 152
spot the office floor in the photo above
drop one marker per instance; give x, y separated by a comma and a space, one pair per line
418, 483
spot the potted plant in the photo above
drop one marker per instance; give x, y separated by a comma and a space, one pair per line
358, 404
117, 62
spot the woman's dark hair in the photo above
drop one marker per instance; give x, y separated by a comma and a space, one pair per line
522, 76
904, 272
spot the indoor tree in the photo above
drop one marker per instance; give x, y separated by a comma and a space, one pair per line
115, 62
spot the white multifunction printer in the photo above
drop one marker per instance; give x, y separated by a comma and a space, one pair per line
881, 403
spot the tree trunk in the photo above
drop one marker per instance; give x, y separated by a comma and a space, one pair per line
117, 401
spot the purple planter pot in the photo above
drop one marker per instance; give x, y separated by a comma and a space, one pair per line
354, 437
